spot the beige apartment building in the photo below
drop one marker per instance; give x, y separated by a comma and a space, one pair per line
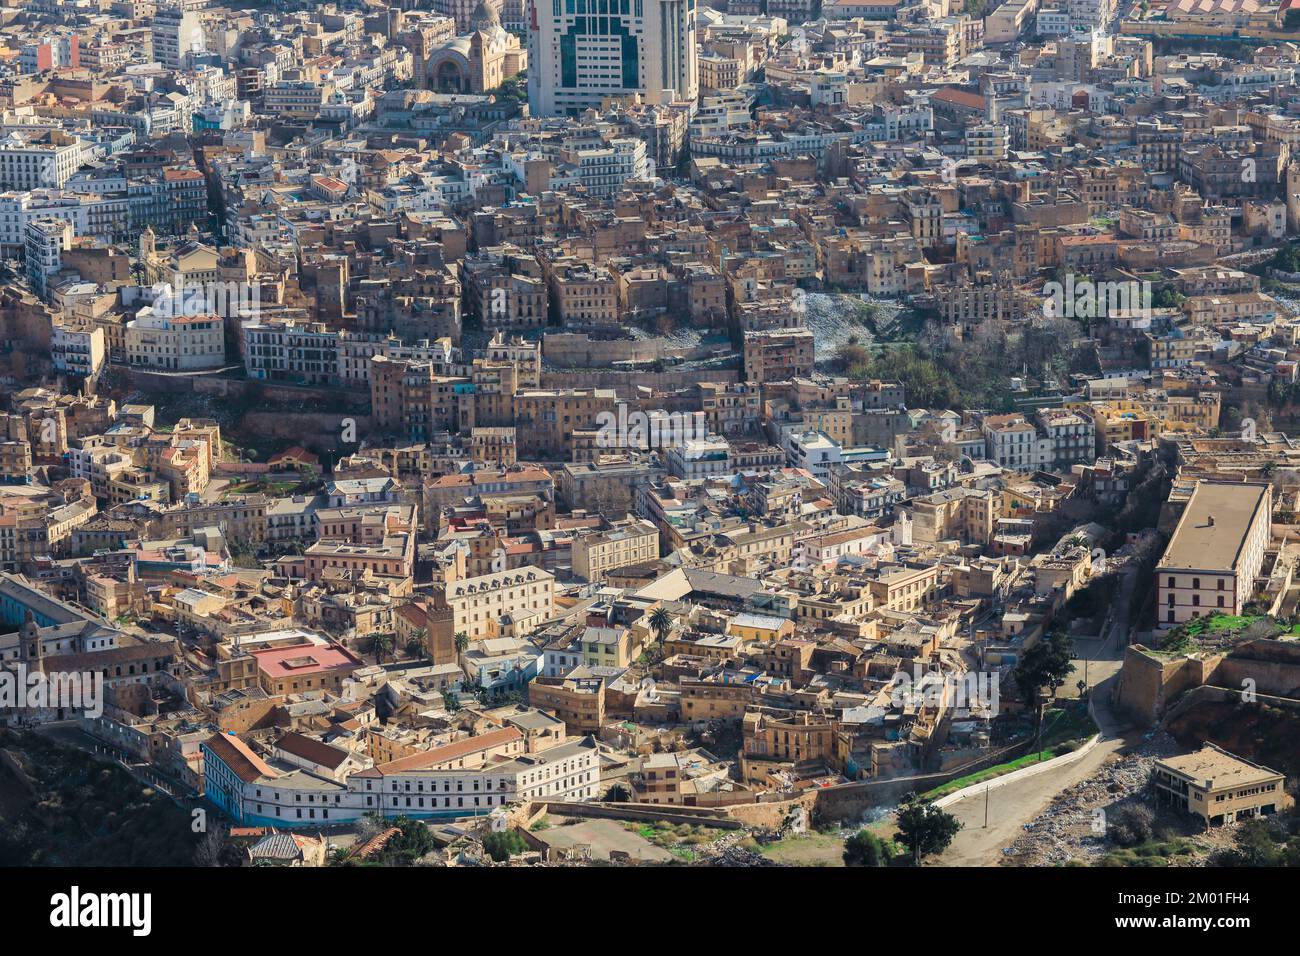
1219, 787
628, 542
478, 604
577, 700
778, 355
585, 295
961, 514
176, 343
546, 419
903, 589
1215, 553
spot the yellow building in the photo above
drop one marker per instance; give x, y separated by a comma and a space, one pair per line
1219, 787
479, 603
904, 589
632, 541
577, 700
762, 628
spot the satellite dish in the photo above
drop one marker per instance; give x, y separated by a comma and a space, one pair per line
648, 685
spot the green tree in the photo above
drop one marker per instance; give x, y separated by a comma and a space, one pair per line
1046, 664
412, 841
503, 844
415, 645
1260, 842
925, 829
1167, 297
618, 794
462, 642
385, 642
661, 622
864, 848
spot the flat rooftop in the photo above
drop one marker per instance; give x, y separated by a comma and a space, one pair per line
1213, 528
1217, 769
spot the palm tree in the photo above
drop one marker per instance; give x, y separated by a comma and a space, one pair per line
618, 794
417, 643
385, 641
661, 622
462, 642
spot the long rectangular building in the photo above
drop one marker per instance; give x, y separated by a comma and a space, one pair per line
254, 793
1215, 553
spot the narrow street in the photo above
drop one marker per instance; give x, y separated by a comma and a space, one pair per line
1007, 809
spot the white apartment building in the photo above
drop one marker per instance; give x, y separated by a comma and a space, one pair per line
38, 160
1073, 437
99, 217
988, 142
1053, 22
301, 98
78, 351
100, 465
699, 458
1090, 14
277, 351
254, 792
1015, 444
581, 51
569, 771
720, 113
44, 242
175, 33
814, 451
604, 169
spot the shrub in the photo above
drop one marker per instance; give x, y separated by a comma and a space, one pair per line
1132, 825
503, 844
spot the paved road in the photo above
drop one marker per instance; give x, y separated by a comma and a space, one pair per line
214, 489
1010, 807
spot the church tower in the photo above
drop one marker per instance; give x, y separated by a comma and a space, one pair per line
30, 648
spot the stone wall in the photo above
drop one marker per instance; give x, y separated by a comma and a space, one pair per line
626, 383
1274, 666
643, 811
579, 350
1149, 683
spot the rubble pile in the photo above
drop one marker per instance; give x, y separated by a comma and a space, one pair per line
1068, 830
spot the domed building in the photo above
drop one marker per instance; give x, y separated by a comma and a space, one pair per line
479, 60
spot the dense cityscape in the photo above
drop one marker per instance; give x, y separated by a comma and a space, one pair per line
649, 433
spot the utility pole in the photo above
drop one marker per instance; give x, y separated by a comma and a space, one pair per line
986, 806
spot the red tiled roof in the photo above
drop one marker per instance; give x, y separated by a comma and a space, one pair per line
452, 751
959, 98
237, 755
311, 749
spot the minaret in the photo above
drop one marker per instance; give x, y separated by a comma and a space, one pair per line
148, 244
